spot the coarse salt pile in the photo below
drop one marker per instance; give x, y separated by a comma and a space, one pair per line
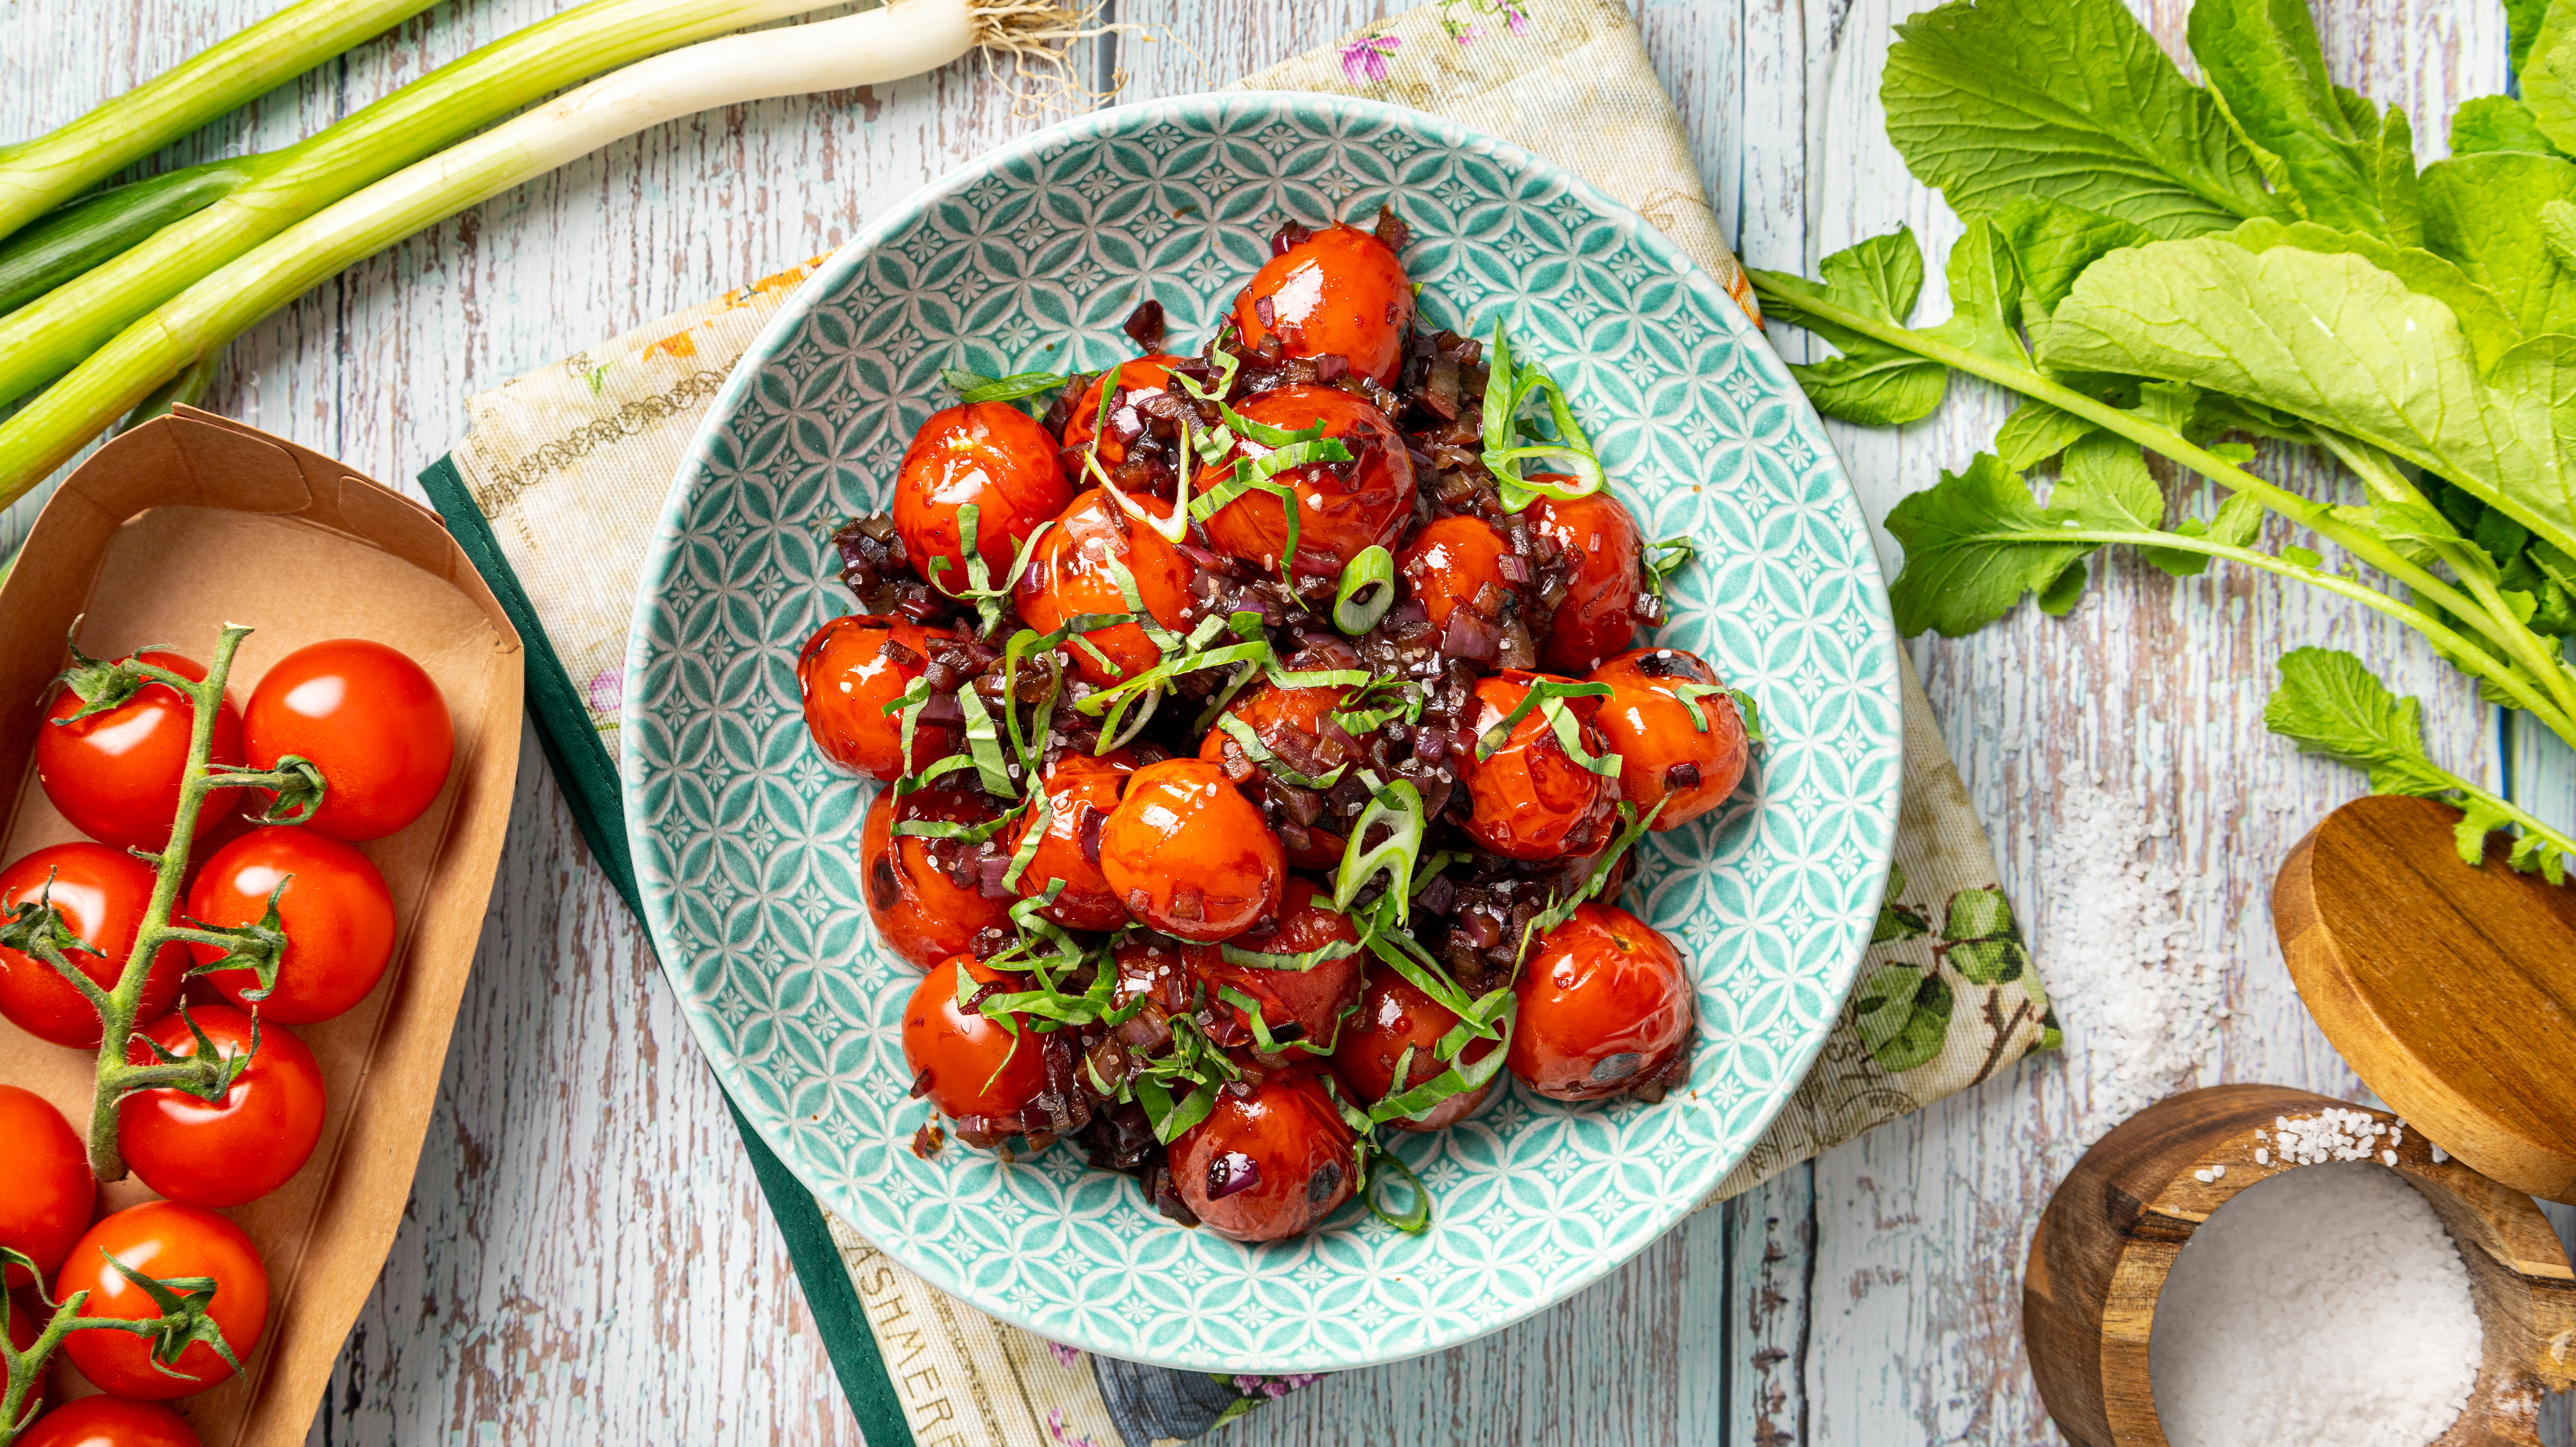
2325, 1304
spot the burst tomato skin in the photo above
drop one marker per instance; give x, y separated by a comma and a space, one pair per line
1340, 292
1189, 855
1292, 723
1456, 562
371, 718
1295, 1005
1606, 1003
1343, 508
919, 911
1532, 800
116, 775
1070, 575
336, 912
101, 894
1289, 1134
163, 1239
975, 1066
1664, 755
51, 1191
1598, 619
847, 673
1078, 788
111, 1422
1138, 380
988, 455
1393, 1016
233, 1151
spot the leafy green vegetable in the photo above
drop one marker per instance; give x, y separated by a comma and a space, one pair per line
2547, 67
2522, 20
2053, 242
2496, 123
1871, 383
2263, 59
2483, 317
2484, 212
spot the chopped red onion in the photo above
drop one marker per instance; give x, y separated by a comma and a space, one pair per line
1515, 569
1469, 636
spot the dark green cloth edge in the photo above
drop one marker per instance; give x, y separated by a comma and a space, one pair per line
589, 779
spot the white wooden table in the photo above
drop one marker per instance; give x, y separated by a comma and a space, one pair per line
586, 1258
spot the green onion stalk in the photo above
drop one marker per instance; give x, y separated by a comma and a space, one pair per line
901, 39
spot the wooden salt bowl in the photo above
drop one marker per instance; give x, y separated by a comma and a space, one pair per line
2112, 1231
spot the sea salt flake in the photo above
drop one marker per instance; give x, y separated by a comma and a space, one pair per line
2262, 1157
2388, 1158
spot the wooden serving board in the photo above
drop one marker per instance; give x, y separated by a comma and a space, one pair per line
2450, 989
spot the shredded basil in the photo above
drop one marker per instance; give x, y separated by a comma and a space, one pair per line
1298, 963
972, 387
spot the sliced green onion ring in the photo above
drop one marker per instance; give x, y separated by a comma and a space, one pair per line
1416, 1218
1398, 805
1368, 590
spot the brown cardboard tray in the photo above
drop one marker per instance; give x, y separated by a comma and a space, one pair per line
171, 530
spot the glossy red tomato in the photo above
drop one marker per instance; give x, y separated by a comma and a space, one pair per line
1343, 508
1082, 791
1606, 1005
1267, 1165
51, 1193
1144, 378
111, 1422
101, 894
1393, 1017
1532, 800
1689, 762
971, 1065
163, 1239
1598, 619
1294, 724
988, 455
116, 775
1070, 575
336, 912
1295, 1005
372, 719
847, 673
1456, 562
1189, 855
921, 912
235, 1150
1339, 293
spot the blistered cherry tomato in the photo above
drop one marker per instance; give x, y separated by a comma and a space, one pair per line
370, 718
988, 455
1296, 1005
1395, 1016
336, 912
1687, 761
1189, 855
1070, 575
1598, 619
1339, 293
101, 895
1266, 1165
163, 1239
1606, 1005
235, 1150
920, 912
51, 1192
1139, 381
1343, 508
116, 775
1456, 562
1532, 800
1081, 792
848, 672
111, 1422
1294, 725
969, 1064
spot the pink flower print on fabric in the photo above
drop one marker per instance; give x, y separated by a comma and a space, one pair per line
1056, 1424
607, 691
1364, 56
1065, 1356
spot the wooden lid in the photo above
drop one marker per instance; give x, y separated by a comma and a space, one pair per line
2451, 990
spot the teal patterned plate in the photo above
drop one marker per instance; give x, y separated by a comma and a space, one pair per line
746, 845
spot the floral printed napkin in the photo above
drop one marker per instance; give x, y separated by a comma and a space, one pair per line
555, 491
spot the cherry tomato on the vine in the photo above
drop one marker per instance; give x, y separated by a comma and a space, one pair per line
1189, 855
116, 775
920, 912
163, 1239
847, 673
988, 455
1604, 575
1270, 1164
1343, 508
1687, 759
336, 912
111, 1422
51, 1193
23, 1331
371, 719
1071, 574
1139, 380
1341, 292
1456, 562
101, 895
1395, 1016
235, 1150
1296, 1005
1532, 800
1606, 1005
968, 1063
1082, 791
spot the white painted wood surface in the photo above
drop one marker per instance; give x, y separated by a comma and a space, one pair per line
586, 1258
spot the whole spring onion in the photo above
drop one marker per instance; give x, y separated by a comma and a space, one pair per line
66, 242
901, 39
42, 173
45, 338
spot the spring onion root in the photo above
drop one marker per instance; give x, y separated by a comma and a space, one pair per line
901, 39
